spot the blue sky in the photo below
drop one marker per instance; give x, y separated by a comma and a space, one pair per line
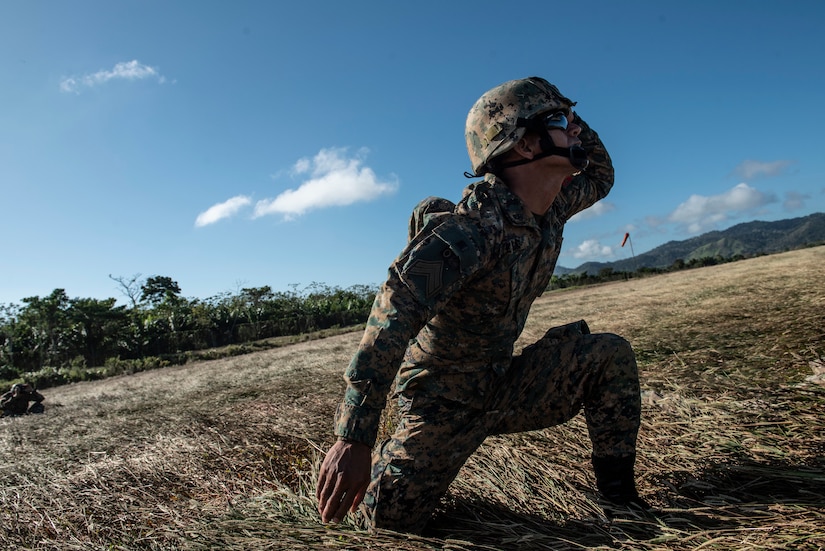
240, 144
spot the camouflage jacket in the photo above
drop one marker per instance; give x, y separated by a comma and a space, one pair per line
458, 295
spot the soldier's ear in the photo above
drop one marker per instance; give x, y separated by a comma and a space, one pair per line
528, 145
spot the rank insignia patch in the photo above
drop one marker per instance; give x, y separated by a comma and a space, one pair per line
430, 271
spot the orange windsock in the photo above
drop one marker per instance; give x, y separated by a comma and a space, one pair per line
626, 235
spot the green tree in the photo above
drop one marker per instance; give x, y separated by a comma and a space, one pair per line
43, 327
8, 324
98, 328
224, 313
158, 289
256, 301
606, 273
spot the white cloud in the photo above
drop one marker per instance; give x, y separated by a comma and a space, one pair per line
598, 209
700, 213
303, 165
591, 248
334, 181
750, 169
126, 70
228, 208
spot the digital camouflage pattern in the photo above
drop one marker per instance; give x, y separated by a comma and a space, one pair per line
447, 416
491, 127
443, 327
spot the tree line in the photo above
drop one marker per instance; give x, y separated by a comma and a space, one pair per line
609, 274
57, 339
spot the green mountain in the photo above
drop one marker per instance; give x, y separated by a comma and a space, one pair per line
747, 239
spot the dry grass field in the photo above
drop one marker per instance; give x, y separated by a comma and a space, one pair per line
223, 454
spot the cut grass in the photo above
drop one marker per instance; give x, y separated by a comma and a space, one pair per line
223, 454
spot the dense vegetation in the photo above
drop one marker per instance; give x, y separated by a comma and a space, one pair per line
56, 339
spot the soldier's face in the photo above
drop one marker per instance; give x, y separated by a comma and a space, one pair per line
566, 137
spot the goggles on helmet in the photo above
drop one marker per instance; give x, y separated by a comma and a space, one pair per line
555, 120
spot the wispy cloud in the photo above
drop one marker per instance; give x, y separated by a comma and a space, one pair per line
794, 201
591, 248
334, 180
702, 213
126, 70
598, 209
228, 208
749, 169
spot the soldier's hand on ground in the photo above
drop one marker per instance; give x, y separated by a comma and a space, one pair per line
343, 479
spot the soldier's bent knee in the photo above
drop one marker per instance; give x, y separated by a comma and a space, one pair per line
395, 500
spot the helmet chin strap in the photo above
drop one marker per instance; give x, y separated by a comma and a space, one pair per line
575, 153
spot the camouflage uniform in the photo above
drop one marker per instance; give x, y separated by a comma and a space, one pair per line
449, 313
16, 401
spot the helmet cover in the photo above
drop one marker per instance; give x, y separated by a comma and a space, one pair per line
492, 128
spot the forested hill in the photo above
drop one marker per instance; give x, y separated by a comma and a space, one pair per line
747, 239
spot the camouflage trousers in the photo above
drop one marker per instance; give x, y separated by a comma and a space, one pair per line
444, 417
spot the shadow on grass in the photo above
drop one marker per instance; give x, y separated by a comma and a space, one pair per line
747, 482
493, 526
724, 497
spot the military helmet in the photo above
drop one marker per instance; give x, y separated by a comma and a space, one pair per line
492, 124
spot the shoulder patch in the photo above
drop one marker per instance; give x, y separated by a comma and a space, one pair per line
431, 266
440, 260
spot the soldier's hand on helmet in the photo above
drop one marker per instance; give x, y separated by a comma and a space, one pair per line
343, 479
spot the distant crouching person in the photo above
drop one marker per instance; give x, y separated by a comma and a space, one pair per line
16, 401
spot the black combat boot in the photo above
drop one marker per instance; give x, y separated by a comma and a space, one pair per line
616, 483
